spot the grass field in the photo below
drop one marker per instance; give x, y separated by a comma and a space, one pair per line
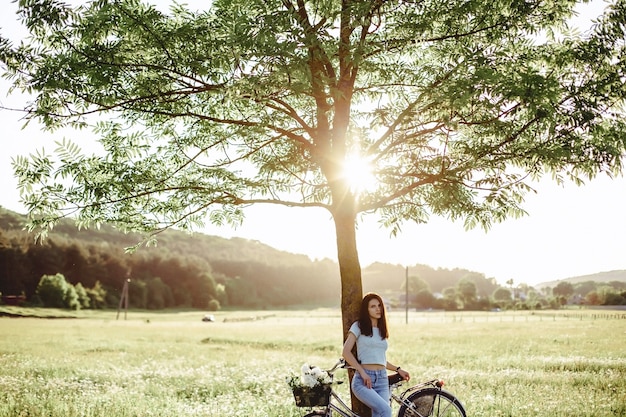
173, 364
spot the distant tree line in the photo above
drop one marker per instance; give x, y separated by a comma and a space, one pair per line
460, 289
591, 293
88, 268
183, 271
158, 278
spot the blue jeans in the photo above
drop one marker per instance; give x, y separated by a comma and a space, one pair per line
377, 398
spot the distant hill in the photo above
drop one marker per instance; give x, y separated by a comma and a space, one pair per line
608, 276
255, 262
197, 244
181, 270
381, 277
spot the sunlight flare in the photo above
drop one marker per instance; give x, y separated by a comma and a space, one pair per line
359, 174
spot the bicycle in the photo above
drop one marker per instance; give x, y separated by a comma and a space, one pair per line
426, 399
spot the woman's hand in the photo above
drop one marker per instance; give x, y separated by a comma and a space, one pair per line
404, 374
366, 379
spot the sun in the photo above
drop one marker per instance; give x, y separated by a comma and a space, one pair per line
358, 172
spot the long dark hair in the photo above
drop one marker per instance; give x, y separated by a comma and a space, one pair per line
365, 323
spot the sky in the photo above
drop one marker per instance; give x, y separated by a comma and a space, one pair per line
569, 230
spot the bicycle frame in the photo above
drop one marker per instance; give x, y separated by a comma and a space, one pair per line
337, 405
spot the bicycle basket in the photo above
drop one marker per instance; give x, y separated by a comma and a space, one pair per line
318, 395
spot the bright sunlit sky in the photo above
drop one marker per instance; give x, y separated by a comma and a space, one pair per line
570, 231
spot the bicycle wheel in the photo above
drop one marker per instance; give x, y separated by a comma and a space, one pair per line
316, 414
432, 402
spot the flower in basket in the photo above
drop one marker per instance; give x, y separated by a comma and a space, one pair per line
310, 376
312, 387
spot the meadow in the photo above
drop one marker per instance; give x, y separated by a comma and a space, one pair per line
173, 364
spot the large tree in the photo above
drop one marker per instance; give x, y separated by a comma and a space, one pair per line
454, 106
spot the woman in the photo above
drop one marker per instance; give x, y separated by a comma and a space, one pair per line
370, 384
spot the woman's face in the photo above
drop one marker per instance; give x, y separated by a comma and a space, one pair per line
374, 309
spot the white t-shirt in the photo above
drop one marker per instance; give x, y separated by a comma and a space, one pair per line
370, 349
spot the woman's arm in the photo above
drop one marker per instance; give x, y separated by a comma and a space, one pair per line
352, 361
404, 374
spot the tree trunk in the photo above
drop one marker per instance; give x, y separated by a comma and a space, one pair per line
351, 285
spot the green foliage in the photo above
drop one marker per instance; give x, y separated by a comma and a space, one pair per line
502, 294
463, 102
426, 299
214, 305
613, 299
450, 298
159, 295
70, 299
563, 289
83, 299
466, 290
416, 284
608, 295
54, 291
97, 295
51, 290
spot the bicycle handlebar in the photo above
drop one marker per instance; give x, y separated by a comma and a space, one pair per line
341, 363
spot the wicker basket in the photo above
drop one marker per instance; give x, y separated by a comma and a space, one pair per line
312, 397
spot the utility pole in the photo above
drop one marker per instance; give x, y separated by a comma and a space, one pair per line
406, 297
123, 300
